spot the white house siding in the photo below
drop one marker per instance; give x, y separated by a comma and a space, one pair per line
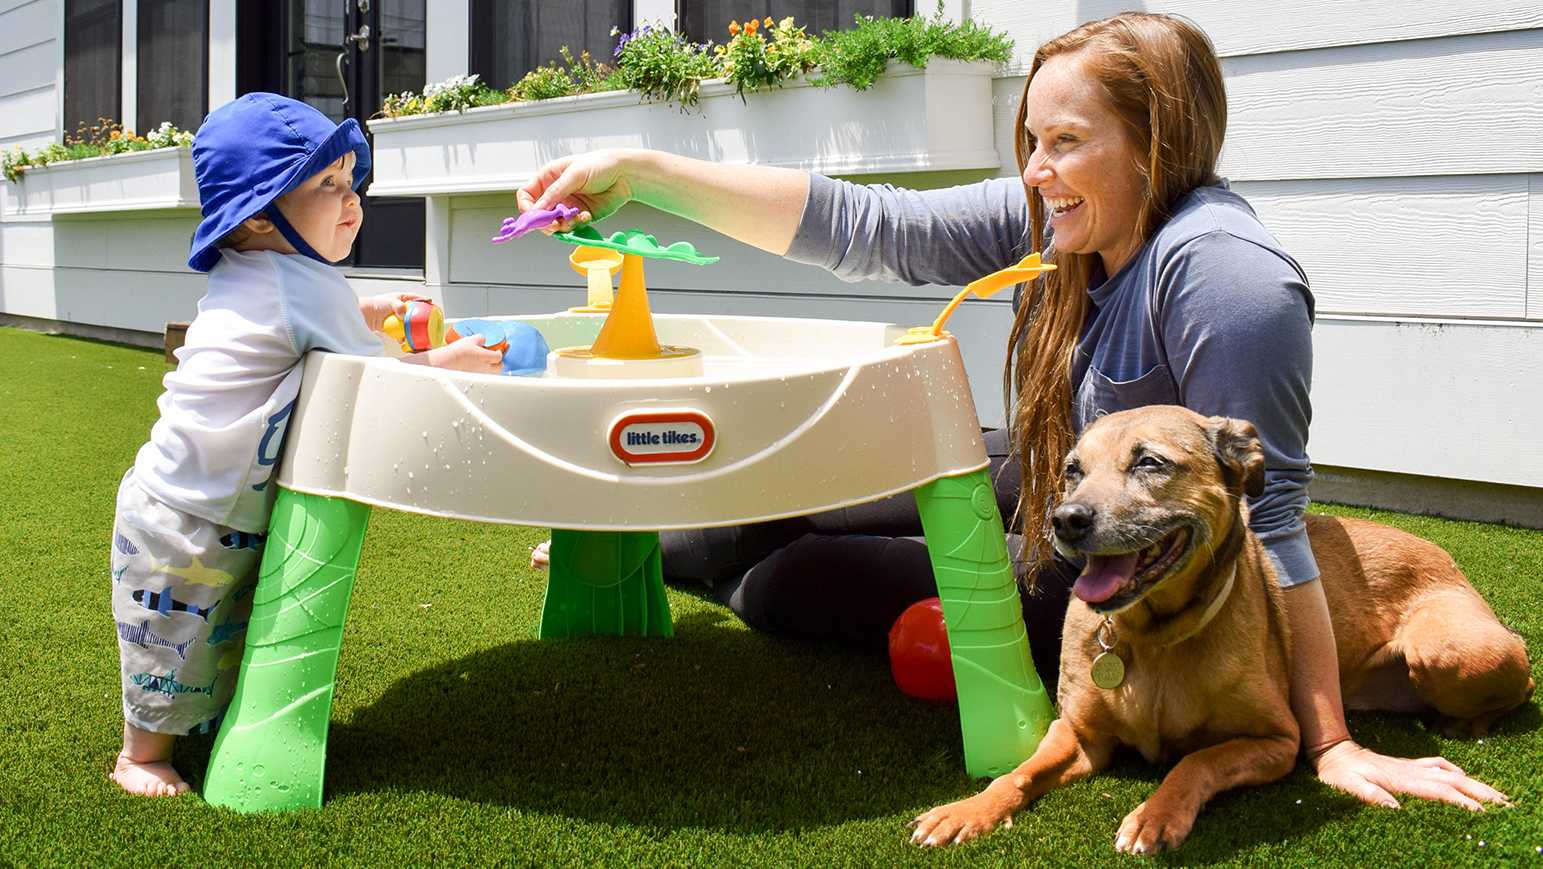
1395, 148
29, 68
29, 65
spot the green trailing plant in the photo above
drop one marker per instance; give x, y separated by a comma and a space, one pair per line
102, 139
664, 65
857, 57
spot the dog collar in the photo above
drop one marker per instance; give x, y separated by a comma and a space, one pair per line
1214, 607
1108, 670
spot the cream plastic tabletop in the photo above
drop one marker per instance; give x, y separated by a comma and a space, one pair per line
787, 417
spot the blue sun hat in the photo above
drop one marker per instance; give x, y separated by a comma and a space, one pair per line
252, 151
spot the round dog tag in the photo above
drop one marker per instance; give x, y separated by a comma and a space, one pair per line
1108, 671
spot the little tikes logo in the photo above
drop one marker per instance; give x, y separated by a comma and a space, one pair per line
662, 436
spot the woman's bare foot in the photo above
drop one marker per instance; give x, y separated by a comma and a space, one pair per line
144, 765
541, 556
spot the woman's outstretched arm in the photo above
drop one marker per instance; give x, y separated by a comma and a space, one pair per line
758, 205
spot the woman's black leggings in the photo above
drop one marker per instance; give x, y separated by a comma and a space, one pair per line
846, 575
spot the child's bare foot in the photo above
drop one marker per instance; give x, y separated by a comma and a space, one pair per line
541, 556
144, 765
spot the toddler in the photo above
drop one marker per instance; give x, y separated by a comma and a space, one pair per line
277, 181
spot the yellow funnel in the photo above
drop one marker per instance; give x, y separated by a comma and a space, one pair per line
1025, 270
628, 332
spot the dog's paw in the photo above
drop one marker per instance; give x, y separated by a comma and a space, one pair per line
960, 822
1152, 828
1465, 728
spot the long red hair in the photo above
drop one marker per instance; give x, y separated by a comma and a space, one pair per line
1161, 77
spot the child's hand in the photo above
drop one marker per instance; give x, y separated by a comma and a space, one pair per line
376, 309
467, 354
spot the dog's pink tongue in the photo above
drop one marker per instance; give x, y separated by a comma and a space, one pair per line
1103, 576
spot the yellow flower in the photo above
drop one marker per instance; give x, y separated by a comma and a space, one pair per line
786, 22
733, 28
768, 21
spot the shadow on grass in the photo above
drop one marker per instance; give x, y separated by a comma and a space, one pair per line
716, 728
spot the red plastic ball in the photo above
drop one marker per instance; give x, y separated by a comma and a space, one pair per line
918, 652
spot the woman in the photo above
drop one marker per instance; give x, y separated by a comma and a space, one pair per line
1169, 291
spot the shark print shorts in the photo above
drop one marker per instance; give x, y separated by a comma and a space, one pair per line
181, 595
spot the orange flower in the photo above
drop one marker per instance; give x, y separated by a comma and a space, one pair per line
768, 21
752, 25
116, 134
733, 28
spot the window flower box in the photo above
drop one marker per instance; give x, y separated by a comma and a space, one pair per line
912, 120
136, 181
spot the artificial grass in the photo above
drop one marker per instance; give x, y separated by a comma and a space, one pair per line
456, 737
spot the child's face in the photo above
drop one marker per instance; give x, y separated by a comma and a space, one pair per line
325, 210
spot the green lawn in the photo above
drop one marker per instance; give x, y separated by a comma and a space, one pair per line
457, 737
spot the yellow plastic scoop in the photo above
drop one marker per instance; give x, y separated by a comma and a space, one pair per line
1025, 270
597, 265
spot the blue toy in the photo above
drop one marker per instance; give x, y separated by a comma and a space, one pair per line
524, 349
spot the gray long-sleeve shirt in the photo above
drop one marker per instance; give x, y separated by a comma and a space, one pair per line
1210, 313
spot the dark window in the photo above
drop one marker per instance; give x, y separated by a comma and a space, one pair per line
709, 19
317, 28
173, 57
403, 32
512, 37
93, 62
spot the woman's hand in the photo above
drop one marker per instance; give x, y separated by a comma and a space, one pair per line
1374, 778
596, 184
467, 354
377, 308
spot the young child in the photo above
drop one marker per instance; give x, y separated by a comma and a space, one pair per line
277, 180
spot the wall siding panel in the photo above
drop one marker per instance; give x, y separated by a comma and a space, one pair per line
24, 24
1460, 106
28, 69
27, 115
1450, 400
1439, 247
1535, 247
1260, 28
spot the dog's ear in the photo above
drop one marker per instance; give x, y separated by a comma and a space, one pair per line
1238, 452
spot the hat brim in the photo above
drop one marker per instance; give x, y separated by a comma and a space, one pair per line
347, 137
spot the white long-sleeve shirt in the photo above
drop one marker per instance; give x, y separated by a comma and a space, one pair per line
227, 405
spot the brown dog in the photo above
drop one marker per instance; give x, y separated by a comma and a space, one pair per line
1178, 591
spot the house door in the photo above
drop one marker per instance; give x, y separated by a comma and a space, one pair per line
343, 57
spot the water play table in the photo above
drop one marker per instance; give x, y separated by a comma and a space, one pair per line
787, 417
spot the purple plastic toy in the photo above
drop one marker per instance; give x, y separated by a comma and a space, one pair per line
514, 227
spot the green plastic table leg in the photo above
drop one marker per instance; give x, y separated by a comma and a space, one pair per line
271, 751
1003, 709
605, 582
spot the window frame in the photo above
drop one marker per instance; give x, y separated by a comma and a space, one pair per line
143, 119
116, 114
